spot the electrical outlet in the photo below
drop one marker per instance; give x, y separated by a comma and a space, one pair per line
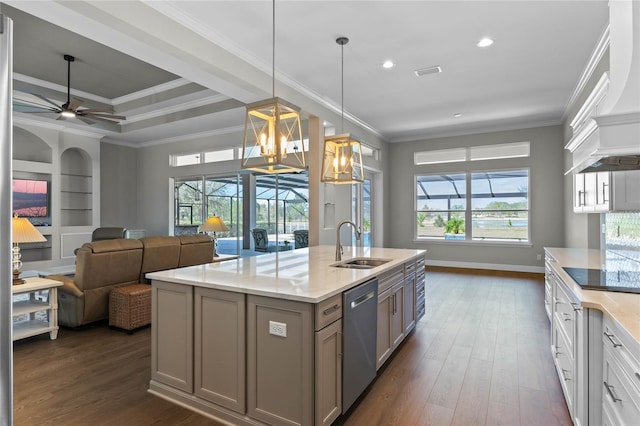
539, 257
278, 328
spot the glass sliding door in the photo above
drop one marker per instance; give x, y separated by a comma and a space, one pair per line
223, 196
361, 210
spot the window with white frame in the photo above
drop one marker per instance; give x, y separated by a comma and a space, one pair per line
474, 205
214, 156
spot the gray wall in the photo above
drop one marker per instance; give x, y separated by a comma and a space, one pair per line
119, 186
546, 165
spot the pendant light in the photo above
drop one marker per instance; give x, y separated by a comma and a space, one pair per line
342, 159
272, 131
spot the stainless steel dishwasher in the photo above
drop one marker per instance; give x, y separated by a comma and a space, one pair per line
360, 319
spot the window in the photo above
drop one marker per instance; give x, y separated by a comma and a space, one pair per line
488, 205
218, 155
474, 153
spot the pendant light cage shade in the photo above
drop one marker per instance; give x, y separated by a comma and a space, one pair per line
342, 160
273, 140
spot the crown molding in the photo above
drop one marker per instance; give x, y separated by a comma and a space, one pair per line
59, 88
177, 108
587, 73
181, 138
21, 120
150, 91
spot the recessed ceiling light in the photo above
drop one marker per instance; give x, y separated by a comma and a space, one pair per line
388, 64
457, 115
485, 42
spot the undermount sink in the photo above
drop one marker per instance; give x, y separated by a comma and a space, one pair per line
361, 263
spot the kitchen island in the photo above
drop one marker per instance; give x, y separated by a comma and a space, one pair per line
258, 340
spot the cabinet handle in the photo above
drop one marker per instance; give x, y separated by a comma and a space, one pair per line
637, 376
604, 192
610, 392
576, 307
565, 378
610, 337
580, 198
331, 309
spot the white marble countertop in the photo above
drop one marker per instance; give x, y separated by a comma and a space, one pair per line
304, 274
624, 308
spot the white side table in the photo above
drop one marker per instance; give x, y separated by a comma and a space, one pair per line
33, 326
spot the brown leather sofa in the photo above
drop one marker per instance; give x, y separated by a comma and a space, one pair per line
104, 265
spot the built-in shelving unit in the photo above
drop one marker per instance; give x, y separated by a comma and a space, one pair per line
70, 162
76, 195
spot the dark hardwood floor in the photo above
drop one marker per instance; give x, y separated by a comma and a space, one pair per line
479, 357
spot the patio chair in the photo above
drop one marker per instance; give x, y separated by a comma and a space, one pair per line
261, 240
301, 237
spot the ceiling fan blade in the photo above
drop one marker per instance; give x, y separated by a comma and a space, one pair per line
58, 108
102, 115
32, 108
85, 120
105, 110
98, 118
74, 104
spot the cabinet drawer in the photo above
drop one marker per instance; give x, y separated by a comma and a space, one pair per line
563, 358
420, 265
328, 311
564, 313
391, 278
619, 397
409, 268
625, 351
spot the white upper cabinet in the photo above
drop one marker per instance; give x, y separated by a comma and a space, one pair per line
606, 192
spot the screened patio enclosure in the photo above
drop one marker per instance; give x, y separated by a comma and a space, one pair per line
490, 205
280, 204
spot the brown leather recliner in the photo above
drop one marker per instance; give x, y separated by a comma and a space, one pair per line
159, 253
100, 266
195, 249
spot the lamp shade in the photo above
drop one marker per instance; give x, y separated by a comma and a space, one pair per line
24, 232
342, 160
213, 224
273, 138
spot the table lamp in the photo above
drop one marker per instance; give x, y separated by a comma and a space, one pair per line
22, 231
214, 224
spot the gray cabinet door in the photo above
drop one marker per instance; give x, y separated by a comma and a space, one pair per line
409, 304
280, 340
220, 347
383, 341
172, 335
328, 359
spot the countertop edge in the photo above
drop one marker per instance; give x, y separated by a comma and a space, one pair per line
367, 274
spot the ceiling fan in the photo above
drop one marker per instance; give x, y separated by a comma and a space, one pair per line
71, 108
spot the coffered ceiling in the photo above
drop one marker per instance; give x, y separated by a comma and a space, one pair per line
180, 67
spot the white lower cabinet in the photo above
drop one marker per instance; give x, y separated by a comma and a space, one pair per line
598, 364
620, 377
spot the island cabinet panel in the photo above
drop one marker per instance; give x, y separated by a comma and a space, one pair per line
172, 335
280, 364
409, 303
390, 322
220, 347
328, 371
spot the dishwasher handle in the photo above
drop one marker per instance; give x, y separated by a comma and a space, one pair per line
360, 300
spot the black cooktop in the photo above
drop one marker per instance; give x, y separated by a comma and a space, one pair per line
597, 279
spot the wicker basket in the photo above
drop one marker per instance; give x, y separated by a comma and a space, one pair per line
130, 306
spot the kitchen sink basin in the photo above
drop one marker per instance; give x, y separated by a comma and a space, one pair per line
361, 263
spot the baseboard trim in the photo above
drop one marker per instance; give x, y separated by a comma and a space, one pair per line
489, 266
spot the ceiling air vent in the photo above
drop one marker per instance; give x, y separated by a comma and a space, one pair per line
425, 71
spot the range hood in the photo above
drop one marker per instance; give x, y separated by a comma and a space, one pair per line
607, 128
